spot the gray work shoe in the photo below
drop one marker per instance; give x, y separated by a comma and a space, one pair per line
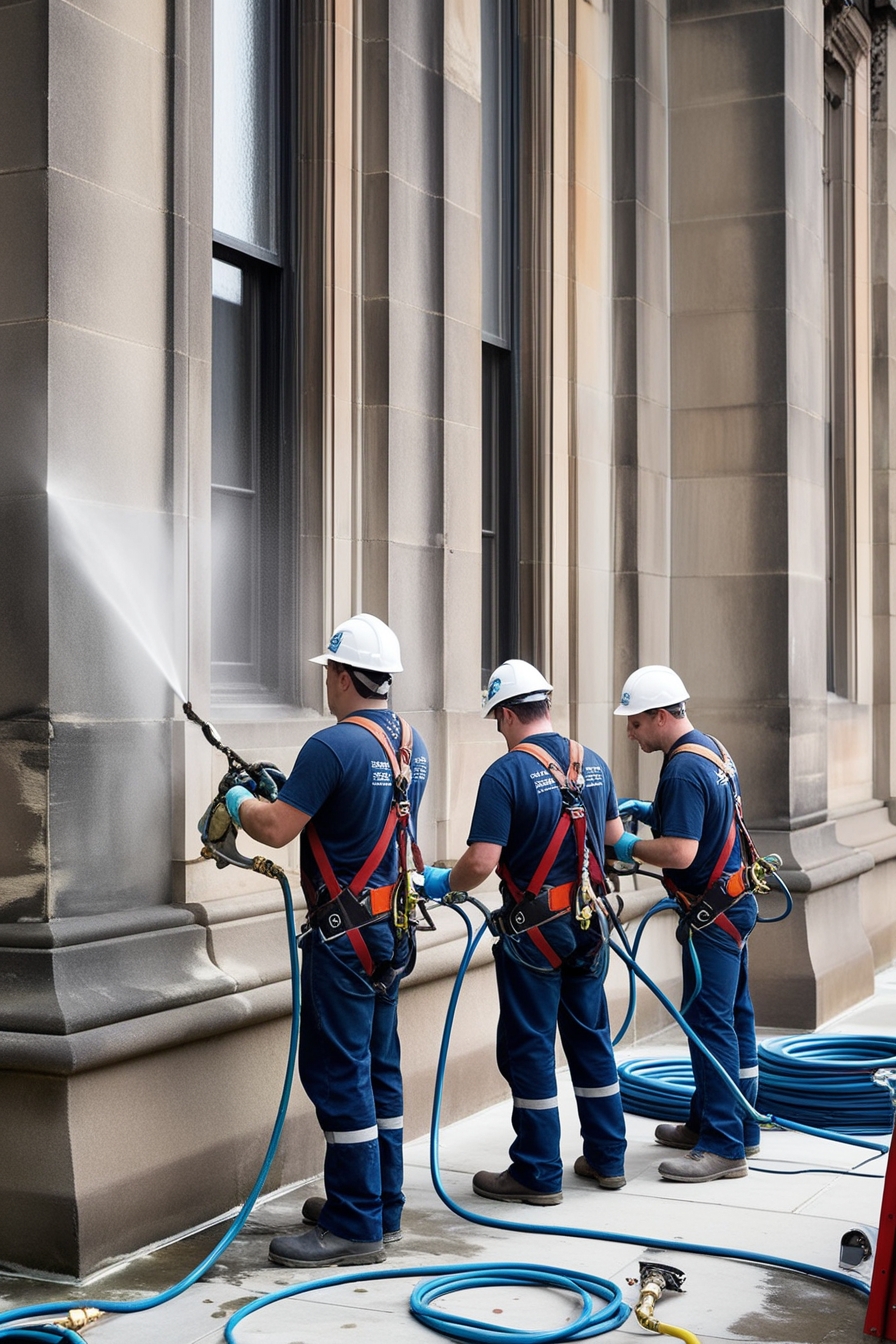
675, 1136
316, 1248
314, 1207
501, 1185
584, 1168
679, 1136
702, 1166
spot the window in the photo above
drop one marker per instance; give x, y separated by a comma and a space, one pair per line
250, 344
500, 367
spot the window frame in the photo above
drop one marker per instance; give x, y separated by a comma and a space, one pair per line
271, 674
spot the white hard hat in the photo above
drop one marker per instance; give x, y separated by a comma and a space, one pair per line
651, 687
365, 642
514, 682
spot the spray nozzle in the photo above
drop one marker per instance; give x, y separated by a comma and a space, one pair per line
209, 733
213, 737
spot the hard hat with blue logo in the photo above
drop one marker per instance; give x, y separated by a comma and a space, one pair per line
651, 687
514, 682
364, 642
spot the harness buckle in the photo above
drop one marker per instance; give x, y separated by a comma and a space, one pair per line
404, 902
337, 915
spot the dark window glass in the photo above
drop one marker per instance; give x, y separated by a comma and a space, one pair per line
500, 512
840, 483
249, 544
500, 456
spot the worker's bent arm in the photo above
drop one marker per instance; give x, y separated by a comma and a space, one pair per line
272, 824
474, 866
613, 830
667, 851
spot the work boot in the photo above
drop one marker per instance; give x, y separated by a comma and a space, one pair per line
699, 1166
679, 1136
314, 1207
316, 1249
584, 1168
501, 1185
675, 1136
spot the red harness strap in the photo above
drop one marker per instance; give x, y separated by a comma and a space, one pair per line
568, 782
724, 763
398, 818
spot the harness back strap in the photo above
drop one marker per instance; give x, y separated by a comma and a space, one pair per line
724, 762
398, 817
567, 782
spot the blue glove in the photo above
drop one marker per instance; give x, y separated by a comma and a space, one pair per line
436, 883
636, 807
622, 847
234, 800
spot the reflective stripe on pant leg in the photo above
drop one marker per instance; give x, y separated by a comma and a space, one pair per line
334, 1066
584, 1025
526, 1029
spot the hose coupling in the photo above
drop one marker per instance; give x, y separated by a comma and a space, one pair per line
79, 1318
654, 1281
267, 867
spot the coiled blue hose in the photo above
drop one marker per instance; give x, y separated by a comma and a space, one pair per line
659, 1088
827, 1081
824, 1080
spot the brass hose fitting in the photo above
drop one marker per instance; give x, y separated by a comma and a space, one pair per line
79, 1318
655, 1280
267, 867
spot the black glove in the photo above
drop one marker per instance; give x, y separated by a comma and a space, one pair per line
261, 778
269, 780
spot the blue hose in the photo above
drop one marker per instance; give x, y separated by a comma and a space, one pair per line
444, 1280
828, 1080
11, 1333
450, 1276
825, 1079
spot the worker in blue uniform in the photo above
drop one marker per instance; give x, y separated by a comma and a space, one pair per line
353, 795
698, 841
542, 813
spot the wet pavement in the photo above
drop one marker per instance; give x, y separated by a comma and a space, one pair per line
796, 1203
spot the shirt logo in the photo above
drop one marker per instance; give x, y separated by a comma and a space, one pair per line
335, 641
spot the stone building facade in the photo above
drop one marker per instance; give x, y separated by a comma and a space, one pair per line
558, 328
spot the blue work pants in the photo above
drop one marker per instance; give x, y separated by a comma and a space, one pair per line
350, 1067
534, 1004
722, 1017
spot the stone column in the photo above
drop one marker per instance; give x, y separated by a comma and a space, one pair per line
748, 455
641, 359
108, 985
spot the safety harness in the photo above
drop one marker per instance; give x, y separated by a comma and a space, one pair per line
335, 909
527, 910
698, 912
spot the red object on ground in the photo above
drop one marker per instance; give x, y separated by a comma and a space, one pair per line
880, 1319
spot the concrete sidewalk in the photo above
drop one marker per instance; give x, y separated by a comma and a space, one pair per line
794, 1216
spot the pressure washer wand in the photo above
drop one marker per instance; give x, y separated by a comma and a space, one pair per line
212, 736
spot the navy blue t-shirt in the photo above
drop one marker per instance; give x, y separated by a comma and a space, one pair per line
343, 779
518, 807
694, 802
